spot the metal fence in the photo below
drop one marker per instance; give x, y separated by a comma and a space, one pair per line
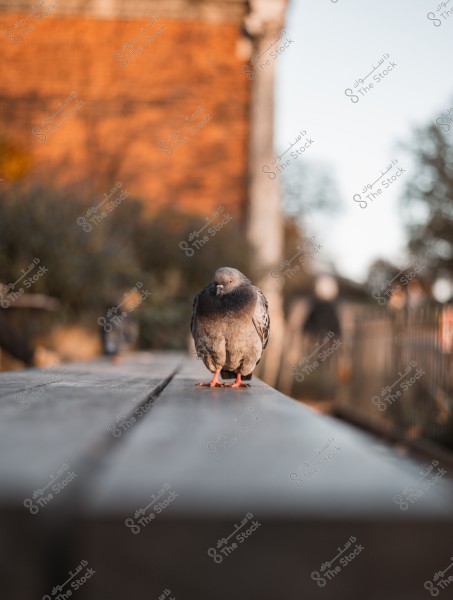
401, 370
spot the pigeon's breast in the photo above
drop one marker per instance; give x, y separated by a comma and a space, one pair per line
243, 347
238, 304
226, 332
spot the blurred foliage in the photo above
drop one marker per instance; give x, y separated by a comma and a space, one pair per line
382, 271
379, 272
428, 198
82, 267
89, 270
176, 278
294, 240
309, 188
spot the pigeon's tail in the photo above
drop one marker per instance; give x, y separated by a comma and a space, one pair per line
232, 375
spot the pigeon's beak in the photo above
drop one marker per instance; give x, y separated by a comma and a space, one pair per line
219, 290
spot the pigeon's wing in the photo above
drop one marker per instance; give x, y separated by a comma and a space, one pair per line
194, 312
261, 317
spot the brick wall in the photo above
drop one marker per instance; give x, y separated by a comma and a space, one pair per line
119, 115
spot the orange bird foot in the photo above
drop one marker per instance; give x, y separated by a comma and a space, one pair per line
238, 383
214, 381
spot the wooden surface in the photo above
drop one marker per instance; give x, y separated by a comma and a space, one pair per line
215, 456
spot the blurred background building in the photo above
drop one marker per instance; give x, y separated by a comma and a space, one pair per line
105, 95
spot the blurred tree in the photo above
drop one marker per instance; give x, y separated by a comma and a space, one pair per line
294, 240
379, 272
90, 269
428, 198
82, 267
177, 274
309, 188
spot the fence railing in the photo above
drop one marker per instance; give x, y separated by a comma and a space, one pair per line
401, 370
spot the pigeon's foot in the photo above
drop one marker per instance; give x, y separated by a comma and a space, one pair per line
214, 381
238, 383
210, 384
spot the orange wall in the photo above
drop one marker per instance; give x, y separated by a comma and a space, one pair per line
127, 111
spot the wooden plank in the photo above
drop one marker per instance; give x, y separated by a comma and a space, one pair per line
184, 436
225, 454
68, 409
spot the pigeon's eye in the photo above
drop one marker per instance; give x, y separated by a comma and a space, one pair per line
230, 281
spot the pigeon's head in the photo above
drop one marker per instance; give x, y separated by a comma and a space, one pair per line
228, 279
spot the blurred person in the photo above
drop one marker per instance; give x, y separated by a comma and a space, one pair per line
322, 337
417, 296
323, 316
398, 298
119, 330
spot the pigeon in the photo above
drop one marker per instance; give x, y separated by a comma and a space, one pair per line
230, 327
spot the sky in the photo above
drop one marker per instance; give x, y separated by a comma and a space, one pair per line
333, 46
